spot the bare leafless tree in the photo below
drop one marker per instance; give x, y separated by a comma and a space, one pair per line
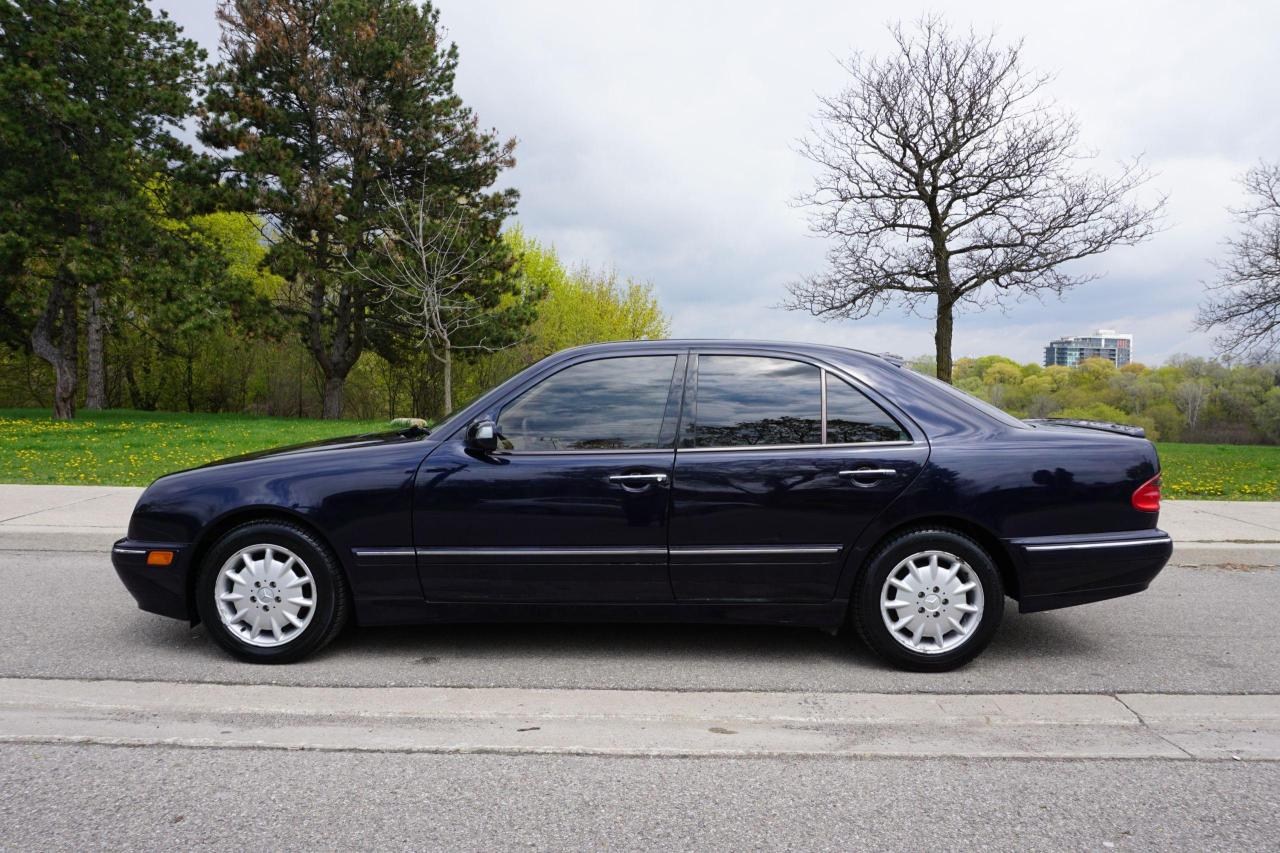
946, 178
1245, 305
1191, 397
429, 257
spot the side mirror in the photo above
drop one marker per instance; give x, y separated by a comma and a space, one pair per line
483, 435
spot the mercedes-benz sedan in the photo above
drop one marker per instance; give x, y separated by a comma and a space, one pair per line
709, 481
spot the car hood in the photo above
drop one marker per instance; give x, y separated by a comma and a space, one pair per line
372, 439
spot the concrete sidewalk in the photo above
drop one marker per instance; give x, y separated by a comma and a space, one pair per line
91, 517
639, 723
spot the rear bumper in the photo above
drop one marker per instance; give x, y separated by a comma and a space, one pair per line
157, 589
1062, 571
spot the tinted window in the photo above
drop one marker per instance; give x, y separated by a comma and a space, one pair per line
610, 404
747, 400
981, 405
852, 418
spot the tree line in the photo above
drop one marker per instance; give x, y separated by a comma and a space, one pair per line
1187, 399
334, 245
314, 223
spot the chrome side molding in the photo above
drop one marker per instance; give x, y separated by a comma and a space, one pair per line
1119, 543
749, 550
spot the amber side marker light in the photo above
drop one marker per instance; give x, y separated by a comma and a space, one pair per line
159, 558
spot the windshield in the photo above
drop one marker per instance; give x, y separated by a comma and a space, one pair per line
999, 414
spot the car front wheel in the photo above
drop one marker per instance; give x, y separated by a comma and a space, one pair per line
929, 600
271, 592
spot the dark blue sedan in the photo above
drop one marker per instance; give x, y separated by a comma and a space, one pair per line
708, 481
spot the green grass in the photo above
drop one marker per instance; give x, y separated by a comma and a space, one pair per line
133, 448
1228, 472
127, 448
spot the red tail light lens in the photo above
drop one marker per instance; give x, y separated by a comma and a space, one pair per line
1147, 498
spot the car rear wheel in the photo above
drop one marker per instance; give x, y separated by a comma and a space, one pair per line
271, 592
929, 600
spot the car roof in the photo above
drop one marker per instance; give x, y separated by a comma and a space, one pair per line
817, 350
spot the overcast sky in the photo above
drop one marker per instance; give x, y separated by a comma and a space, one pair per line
659, 138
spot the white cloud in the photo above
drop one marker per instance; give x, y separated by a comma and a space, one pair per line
658, 138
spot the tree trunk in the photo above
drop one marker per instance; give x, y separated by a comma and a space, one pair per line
942, 340
340, 353
448, 379
190, 381
55, 339
131, 382
332, 409
95, 392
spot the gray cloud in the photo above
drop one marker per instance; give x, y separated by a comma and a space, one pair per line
658, 138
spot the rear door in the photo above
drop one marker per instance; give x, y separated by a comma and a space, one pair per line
574, 505
781, 464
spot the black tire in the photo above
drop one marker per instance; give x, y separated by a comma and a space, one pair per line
866, 614
331, 597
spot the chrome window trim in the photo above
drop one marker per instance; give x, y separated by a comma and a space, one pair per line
697, 550
530, 552
822, 408
797, 446
592, 451
1120, 543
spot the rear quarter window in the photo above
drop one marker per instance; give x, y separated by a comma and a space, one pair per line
853, 419
973, 402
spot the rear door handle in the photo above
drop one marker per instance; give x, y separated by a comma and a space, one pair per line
859, 473
638, 480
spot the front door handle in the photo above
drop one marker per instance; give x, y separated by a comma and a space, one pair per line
869, 473
638, 481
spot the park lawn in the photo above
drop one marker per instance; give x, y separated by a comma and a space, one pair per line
120, 447
1230, 472
127, 448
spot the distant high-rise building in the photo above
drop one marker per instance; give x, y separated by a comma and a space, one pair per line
1104, 343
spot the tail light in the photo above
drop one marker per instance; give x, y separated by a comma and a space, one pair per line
1147, 497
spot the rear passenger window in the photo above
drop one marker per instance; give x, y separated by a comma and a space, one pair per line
748, 401
853, 419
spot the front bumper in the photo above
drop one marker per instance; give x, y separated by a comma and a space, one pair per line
157, 589
1062, 571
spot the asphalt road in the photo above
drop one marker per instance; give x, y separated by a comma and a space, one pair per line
1204, 629
158, 798
64, 614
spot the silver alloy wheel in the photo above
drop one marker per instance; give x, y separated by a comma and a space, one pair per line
265, 595
932, 602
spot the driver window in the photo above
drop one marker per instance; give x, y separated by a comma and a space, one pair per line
609, 404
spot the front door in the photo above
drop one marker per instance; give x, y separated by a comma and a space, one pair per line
573, 507
781, 464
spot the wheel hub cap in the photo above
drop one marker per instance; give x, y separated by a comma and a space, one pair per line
932, 602
265, 595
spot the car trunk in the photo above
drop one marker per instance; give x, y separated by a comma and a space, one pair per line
1101, 426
